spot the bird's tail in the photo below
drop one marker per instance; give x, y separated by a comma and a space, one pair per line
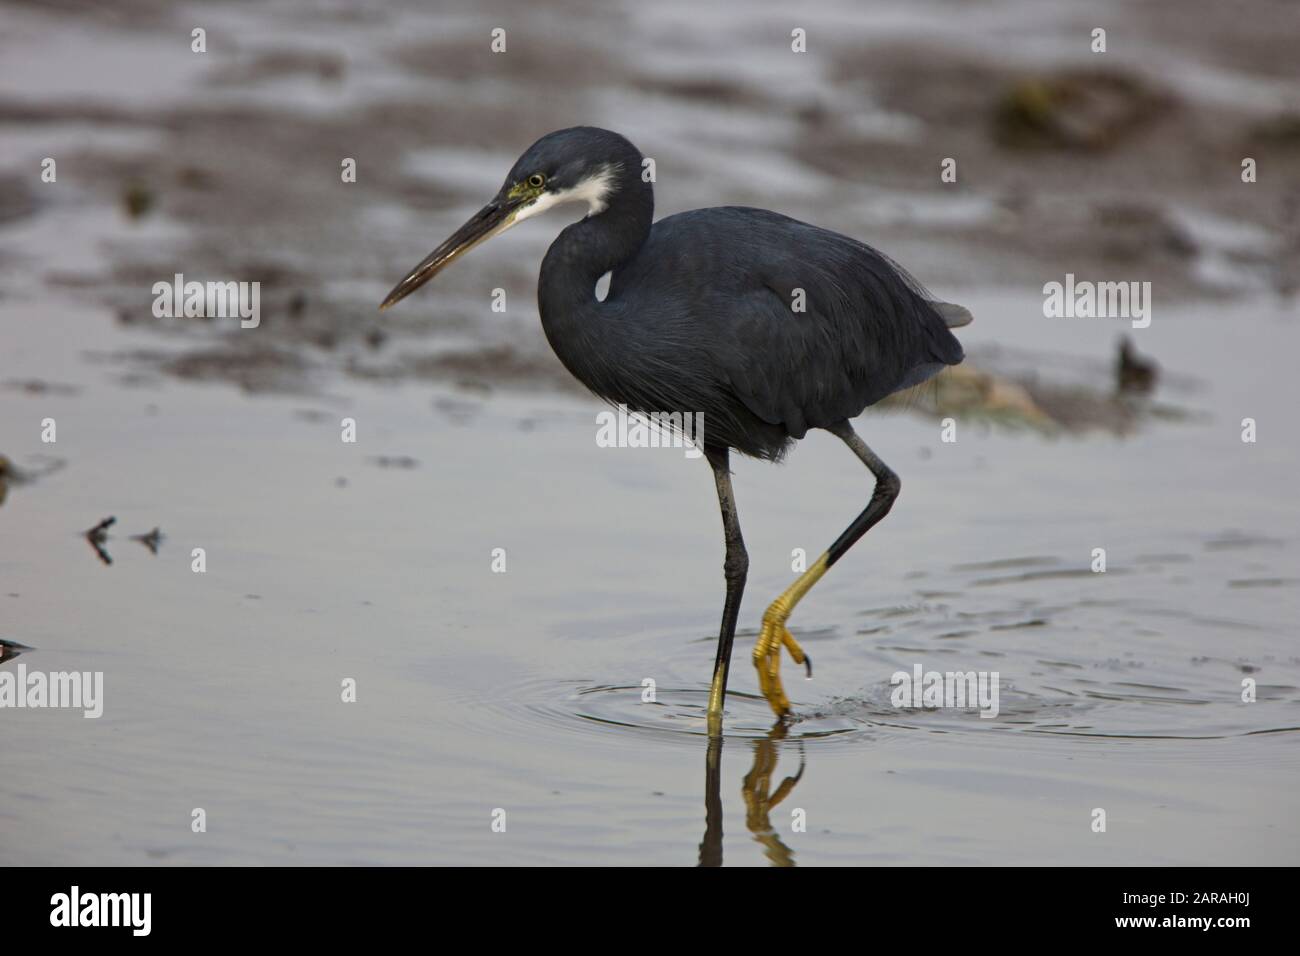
954, 316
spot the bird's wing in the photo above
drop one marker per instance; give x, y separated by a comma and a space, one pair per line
809, 326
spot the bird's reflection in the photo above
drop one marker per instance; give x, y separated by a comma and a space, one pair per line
711, 845
758, 795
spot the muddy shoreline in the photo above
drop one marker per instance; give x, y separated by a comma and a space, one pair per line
1091, 165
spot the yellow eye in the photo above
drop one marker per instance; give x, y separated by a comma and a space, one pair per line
536, 180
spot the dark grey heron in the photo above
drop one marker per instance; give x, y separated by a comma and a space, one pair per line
701, 317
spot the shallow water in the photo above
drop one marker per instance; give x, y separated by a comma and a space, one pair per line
522, 691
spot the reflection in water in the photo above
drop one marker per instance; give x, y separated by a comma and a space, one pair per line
711, 845
760, 799
758, 795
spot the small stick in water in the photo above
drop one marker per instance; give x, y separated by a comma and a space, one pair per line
98, 535
150, 540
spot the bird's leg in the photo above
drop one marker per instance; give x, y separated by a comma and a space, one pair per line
774, 634
735, 568
767, 650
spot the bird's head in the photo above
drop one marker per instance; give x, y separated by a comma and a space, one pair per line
578, 165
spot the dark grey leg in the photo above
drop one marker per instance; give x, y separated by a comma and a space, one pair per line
887, 488
735, 568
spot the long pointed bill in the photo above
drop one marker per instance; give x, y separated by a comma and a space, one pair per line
493, 219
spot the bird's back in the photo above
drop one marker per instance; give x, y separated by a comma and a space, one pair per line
798, 326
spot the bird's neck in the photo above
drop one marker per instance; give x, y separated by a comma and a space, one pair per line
578, 325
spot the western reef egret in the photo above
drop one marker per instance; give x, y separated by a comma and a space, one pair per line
703, 316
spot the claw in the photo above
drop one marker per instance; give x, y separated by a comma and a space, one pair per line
774, 633
797, 652
767, 661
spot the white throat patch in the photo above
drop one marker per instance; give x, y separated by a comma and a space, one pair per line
594, 191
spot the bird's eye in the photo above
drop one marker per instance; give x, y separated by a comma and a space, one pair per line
536, 180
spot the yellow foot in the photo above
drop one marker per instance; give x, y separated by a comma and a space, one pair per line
767, 657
